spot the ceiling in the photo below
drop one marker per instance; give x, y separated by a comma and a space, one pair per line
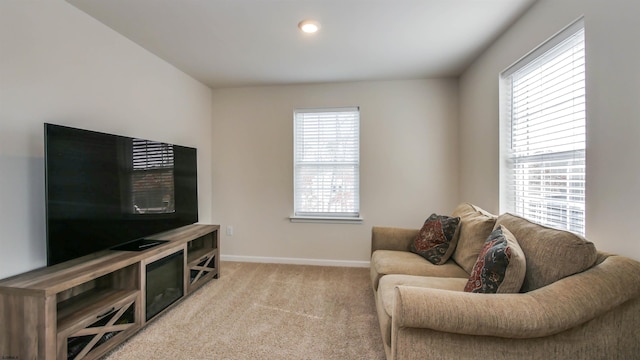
233, 43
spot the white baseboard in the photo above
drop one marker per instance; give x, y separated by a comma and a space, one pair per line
295, 261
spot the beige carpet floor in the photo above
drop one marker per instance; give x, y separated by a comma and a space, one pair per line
267, 311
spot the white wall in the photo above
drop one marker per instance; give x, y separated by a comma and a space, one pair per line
59, 65
408, 166
613, 113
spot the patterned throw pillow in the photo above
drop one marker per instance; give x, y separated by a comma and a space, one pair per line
500, 266
435, 241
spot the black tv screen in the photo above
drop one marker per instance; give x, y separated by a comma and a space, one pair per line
105, 190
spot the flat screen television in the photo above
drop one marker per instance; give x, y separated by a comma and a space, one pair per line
106, 191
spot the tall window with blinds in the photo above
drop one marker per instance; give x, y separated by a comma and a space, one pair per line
327, 163
544, 138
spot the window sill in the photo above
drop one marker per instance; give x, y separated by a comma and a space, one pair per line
326, 220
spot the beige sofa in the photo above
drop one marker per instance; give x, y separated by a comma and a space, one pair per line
575, 302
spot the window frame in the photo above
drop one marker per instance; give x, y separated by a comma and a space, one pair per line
507, 196
299, 215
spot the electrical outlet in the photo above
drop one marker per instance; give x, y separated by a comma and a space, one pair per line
229, 230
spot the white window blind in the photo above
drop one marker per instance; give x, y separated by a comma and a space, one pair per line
545, 113
327, 163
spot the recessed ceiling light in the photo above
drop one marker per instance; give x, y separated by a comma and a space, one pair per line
309, 26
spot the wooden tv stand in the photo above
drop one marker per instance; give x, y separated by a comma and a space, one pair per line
82, 308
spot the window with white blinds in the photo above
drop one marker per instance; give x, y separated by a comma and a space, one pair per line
327, 163
545, 116
152, 180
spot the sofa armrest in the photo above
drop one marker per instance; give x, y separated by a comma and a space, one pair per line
391, 238
546, 311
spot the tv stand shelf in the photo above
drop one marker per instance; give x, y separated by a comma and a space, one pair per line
82, 308
71, 312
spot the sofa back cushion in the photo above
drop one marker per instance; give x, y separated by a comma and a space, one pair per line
551, 254
475, 226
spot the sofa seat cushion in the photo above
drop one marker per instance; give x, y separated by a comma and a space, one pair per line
475, 226
386, 295
389, 282
551, 254
384, 262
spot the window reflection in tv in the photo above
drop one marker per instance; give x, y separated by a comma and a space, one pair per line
152, 185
